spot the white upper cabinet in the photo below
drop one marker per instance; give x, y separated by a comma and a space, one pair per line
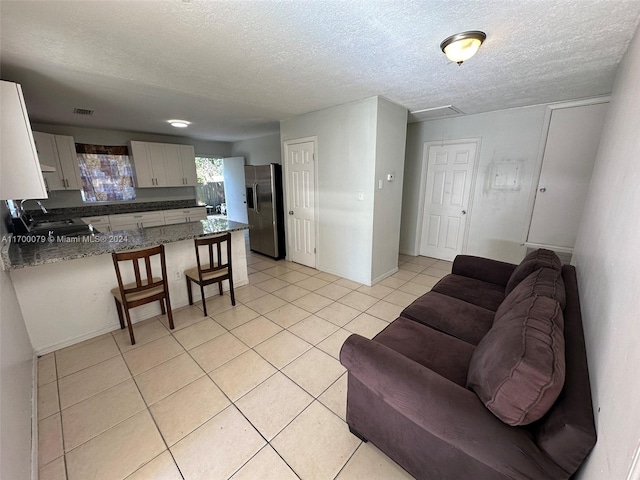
59, 152
188, 158
163, 164
148, 159
20, 175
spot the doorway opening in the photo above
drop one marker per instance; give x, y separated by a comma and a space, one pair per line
210, 187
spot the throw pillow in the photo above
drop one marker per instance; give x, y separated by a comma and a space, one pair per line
544, 281
537, 259
518, 368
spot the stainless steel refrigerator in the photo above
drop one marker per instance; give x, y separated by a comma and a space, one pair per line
265, 209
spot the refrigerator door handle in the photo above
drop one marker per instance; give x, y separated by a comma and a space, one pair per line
255, 199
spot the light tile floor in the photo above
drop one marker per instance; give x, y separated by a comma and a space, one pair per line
254, 391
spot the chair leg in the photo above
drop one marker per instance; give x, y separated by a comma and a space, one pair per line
169, 312
133, 339
119, 309
204, 302
233, 297
220, 287
189, 293
162, 309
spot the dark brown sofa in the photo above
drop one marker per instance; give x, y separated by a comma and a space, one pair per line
484, 377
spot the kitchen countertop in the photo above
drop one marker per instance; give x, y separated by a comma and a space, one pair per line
97, 210
42, 251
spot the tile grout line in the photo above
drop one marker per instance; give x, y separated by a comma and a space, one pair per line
252, 348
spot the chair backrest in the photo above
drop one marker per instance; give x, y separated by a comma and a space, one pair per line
142, 282
215, 261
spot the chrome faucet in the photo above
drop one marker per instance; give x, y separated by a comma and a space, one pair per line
22, 212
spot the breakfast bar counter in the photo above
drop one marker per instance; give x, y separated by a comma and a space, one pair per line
40, 250
63, 284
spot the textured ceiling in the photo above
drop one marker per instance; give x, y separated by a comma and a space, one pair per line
235, 68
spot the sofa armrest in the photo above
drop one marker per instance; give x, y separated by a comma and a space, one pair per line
446, 410
485, 269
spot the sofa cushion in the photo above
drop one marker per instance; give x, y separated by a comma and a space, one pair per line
537, 259
442, 353
518, 368
450, 315
546, 282
477, 292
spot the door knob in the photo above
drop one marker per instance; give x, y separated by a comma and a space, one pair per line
290, 212
543, 189
464, 212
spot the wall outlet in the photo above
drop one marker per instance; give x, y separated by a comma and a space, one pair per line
361, 195
177, 275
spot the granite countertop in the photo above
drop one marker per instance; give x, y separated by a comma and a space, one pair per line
19, 255
96, 210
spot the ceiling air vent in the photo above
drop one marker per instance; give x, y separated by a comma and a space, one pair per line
82, 111
435, 112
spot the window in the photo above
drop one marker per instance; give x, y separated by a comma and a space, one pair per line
210, 189
106, 173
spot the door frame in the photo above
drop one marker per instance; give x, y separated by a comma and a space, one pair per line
537, 170
423, 187
285, 167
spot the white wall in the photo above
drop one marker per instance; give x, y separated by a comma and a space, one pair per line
390, 149
72, 198
607, 260
497, 217
345, 165
259, 151
16, 377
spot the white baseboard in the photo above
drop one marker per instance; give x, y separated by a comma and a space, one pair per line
384, 275
411, 253
34, 418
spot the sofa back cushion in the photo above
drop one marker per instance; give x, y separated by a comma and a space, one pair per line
518, 368
537, 259
546, 282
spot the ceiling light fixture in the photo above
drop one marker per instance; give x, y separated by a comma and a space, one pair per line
179, 123
462, 46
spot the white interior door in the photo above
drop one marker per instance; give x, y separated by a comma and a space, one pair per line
447, 191
234, 189
300, 178
567, 164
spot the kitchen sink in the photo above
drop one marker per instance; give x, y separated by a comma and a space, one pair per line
51, 224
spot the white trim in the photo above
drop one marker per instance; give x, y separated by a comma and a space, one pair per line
555, 248
576, 103
285, 167
423, 187
34, 418
384, 275
537, 169
407, 252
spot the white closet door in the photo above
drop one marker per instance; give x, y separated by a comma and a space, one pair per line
569, 156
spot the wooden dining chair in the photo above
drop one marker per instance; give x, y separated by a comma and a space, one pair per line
216, 271
145, 289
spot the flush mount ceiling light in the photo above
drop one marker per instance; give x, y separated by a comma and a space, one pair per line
179, 123
462, 46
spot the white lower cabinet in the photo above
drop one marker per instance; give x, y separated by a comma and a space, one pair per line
183, 215
132, 221
100, 223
